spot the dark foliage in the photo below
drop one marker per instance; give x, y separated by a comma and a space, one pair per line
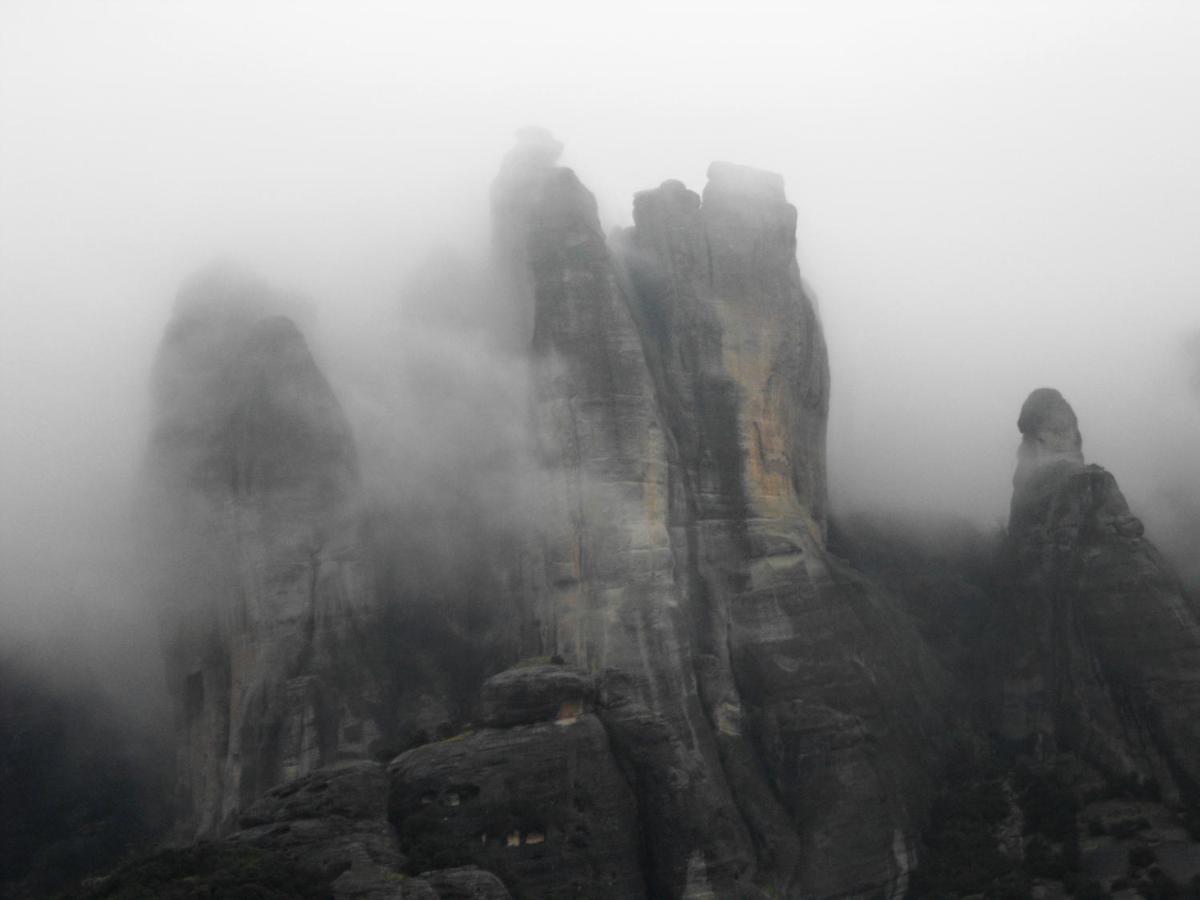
208, 871
76, 790
962, 856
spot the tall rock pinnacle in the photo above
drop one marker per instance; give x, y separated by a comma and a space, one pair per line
261, 578
1101, 648
681, 395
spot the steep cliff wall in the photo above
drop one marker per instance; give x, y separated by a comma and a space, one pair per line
1101, 648
822, 695
604, 568
773, 715
260, 572
681, 400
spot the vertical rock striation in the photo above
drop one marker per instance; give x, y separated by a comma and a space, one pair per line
821, 693
680, 403
1101, 649
605, 571
260, 571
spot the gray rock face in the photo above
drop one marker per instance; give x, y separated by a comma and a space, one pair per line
1050, 444
536, 694
681, 405
261, 574
1102, 647
542, 806
741, 376
334, 821
603, 566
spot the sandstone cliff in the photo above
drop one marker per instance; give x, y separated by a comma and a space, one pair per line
261, 576
681, 405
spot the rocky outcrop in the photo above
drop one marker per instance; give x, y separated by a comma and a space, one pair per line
540, 693
772, 709
602, 566
680, 406
259, 568
1100, 649
811, 676
324, 835
543, 805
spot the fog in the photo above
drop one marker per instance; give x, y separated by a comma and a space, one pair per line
992, 198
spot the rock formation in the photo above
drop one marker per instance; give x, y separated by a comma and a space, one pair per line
1101, 648
711, 703
261, 577
681, 404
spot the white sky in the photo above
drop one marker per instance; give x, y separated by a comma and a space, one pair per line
992, 197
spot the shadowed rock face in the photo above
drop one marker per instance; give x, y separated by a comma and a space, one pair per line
1050, 446
602, 567
773, 713
261, 576
542, 805
681, 401
1102, 647
810, 675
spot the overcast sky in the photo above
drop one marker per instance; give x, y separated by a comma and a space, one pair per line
992, 197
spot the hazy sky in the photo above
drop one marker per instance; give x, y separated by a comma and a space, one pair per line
992, 197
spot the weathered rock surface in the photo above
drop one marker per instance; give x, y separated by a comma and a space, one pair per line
465, 883
542, 806
740, 712
261, 576
1100, 647
806, 669
324, 835
334, 820
531, 694
603, 566
681, 401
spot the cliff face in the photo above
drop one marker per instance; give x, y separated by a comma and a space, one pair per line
1103, 647
602, 566
735, 711
260, 570
681, 401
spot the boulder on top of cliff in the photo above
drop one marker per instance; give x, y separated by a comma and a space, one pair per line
1049, 436
258, 566
531, 694
744, 181
536, 148
1099, 647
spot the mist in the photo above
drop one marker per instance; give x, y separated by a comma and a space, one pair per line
991, 199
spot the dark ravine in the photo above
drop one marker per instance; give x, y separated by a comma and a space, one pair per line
681, 677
